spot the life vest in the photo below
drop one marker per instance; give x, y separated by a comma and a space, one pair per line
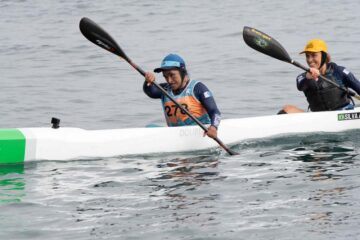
324, 96
175, 116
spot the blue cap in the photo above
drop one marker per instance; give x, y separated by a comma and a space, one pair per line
171, 61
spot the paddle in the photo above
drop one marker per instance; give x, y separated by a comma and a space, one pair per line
269, 46
95, 34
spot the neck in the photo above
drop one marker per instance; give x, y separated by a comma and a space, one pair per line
323, 69
185, 81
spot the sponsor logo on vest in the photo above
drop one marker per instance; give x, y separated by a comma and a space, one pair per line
348, 116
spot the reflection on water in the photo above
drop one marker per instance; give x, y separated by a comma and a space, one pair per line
11, 168
318, 152
314, 175
12, 183
183, 183
185, 174
327, 162
327, 159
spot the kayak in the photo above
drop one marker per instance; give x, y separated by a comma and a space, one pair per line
64, 143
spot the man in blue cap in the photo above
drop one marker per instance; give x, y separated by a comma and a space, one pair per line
191, 94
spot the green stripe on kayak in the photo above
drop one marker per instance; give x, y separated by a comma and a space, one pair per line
12, 146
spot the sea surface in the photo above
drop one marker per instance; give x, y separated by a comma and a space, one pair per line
284, 187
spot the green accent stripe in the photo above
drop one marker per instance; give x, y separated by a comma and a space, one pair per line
12, 146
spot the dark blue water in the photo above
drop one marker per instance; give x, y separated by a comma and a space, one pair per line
289, 187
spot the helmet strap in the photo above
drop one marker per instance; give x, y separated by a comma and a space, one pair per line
323, 58
183, 74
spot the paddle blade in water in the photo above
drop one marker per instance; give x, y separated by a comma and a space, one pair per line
95, 34
265, 44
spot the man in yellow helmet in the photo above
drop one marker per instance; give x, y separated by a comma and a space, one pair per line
321, 95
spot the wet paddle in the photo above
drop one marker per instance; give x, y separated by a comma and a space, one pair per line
269, 46
95, 34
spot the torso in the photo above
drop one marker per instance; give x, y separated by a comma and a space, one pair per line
324, 96
175, 116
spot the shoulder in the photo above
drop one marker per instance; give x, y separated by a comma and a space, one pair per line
199, 86
201, 90
193, 82
335, 66
339, 68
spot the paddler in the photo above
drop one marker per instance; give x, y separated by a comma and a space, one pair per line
191, 94
321, 95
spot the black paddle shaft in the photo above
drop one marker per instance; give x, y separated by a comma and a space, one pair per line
269, 46
95, 34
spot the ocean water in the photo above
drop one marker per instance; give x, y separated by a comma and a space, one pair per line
288, 187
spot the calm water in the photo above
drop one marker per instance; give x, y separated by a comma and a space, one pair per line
290, 187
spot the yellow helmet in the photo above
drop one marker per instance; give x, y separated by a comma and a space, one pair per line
315, 45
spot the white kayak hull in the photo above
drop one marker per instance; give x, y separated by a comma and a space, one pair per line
75, 143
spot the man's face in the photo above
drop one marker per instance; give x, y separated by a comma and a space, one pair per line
173, 78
